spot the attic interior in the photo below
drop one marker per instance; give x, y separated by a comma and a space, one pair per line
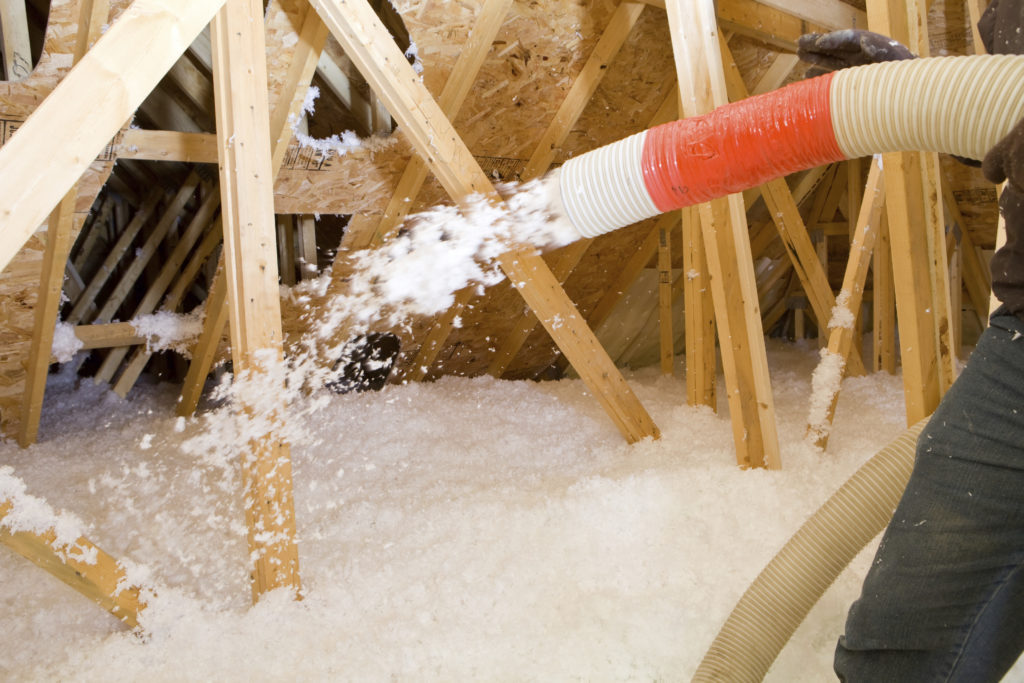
502, 91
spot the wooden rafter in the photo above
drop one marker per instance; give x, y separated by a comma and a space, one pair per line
831, 14
167, 145
141, 356
61, 138
371, 49
666, 337
364, 230
766, 24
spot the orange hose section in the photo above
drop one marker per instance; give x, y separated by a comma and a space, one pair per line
740, 145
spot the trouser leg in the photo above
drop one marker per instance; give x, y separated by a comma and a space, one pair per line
944, 597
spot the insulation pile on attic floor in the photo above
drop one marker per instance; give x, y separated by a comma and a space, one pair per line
440, 537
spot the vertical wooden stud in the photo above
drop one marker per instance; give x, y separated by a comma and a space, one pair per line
312, 36
701, 355
909, 189
247, 192
702, 87
55, 257
306, 228
666, 337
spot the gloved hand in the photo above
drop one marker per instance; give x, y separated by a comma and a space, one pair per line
1005, 161
848, 47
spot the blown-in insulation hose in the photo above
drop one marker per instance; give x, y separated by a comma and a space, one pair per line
781, 596
956, 105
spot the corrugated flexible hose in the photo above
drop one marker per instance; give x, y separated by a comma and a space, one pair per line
957, 105
783, 593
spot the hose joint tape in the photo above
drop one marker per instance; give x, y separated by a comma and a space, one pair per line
740, 145
603, 190
956, 105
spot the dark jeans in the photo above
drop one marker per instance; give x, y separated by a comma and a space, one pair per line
944, 598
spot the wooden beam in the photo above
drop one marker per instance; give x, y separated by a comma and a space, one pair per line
312, 37
285, 228
666, 338
240, 89
841, 338
167, 145
101, 579
47, 309
883, 303
193, 83
55, 258
701, 366
254, 306
247, 204
777, 73
310, 43
205, 349
767, 24
829, 14
108, 335
727, 245
942, 304
908, 186
366, 41
17, 50
364, 230
513, 340
994, 302
71, 126
975, 8
95, 227
307, 245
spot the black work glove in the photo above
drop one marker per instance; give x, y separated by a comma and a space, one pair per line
848, 47
1005, 161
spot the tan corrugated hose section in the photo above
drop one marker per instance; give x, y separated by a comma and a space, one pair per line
778, 600
956, 105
